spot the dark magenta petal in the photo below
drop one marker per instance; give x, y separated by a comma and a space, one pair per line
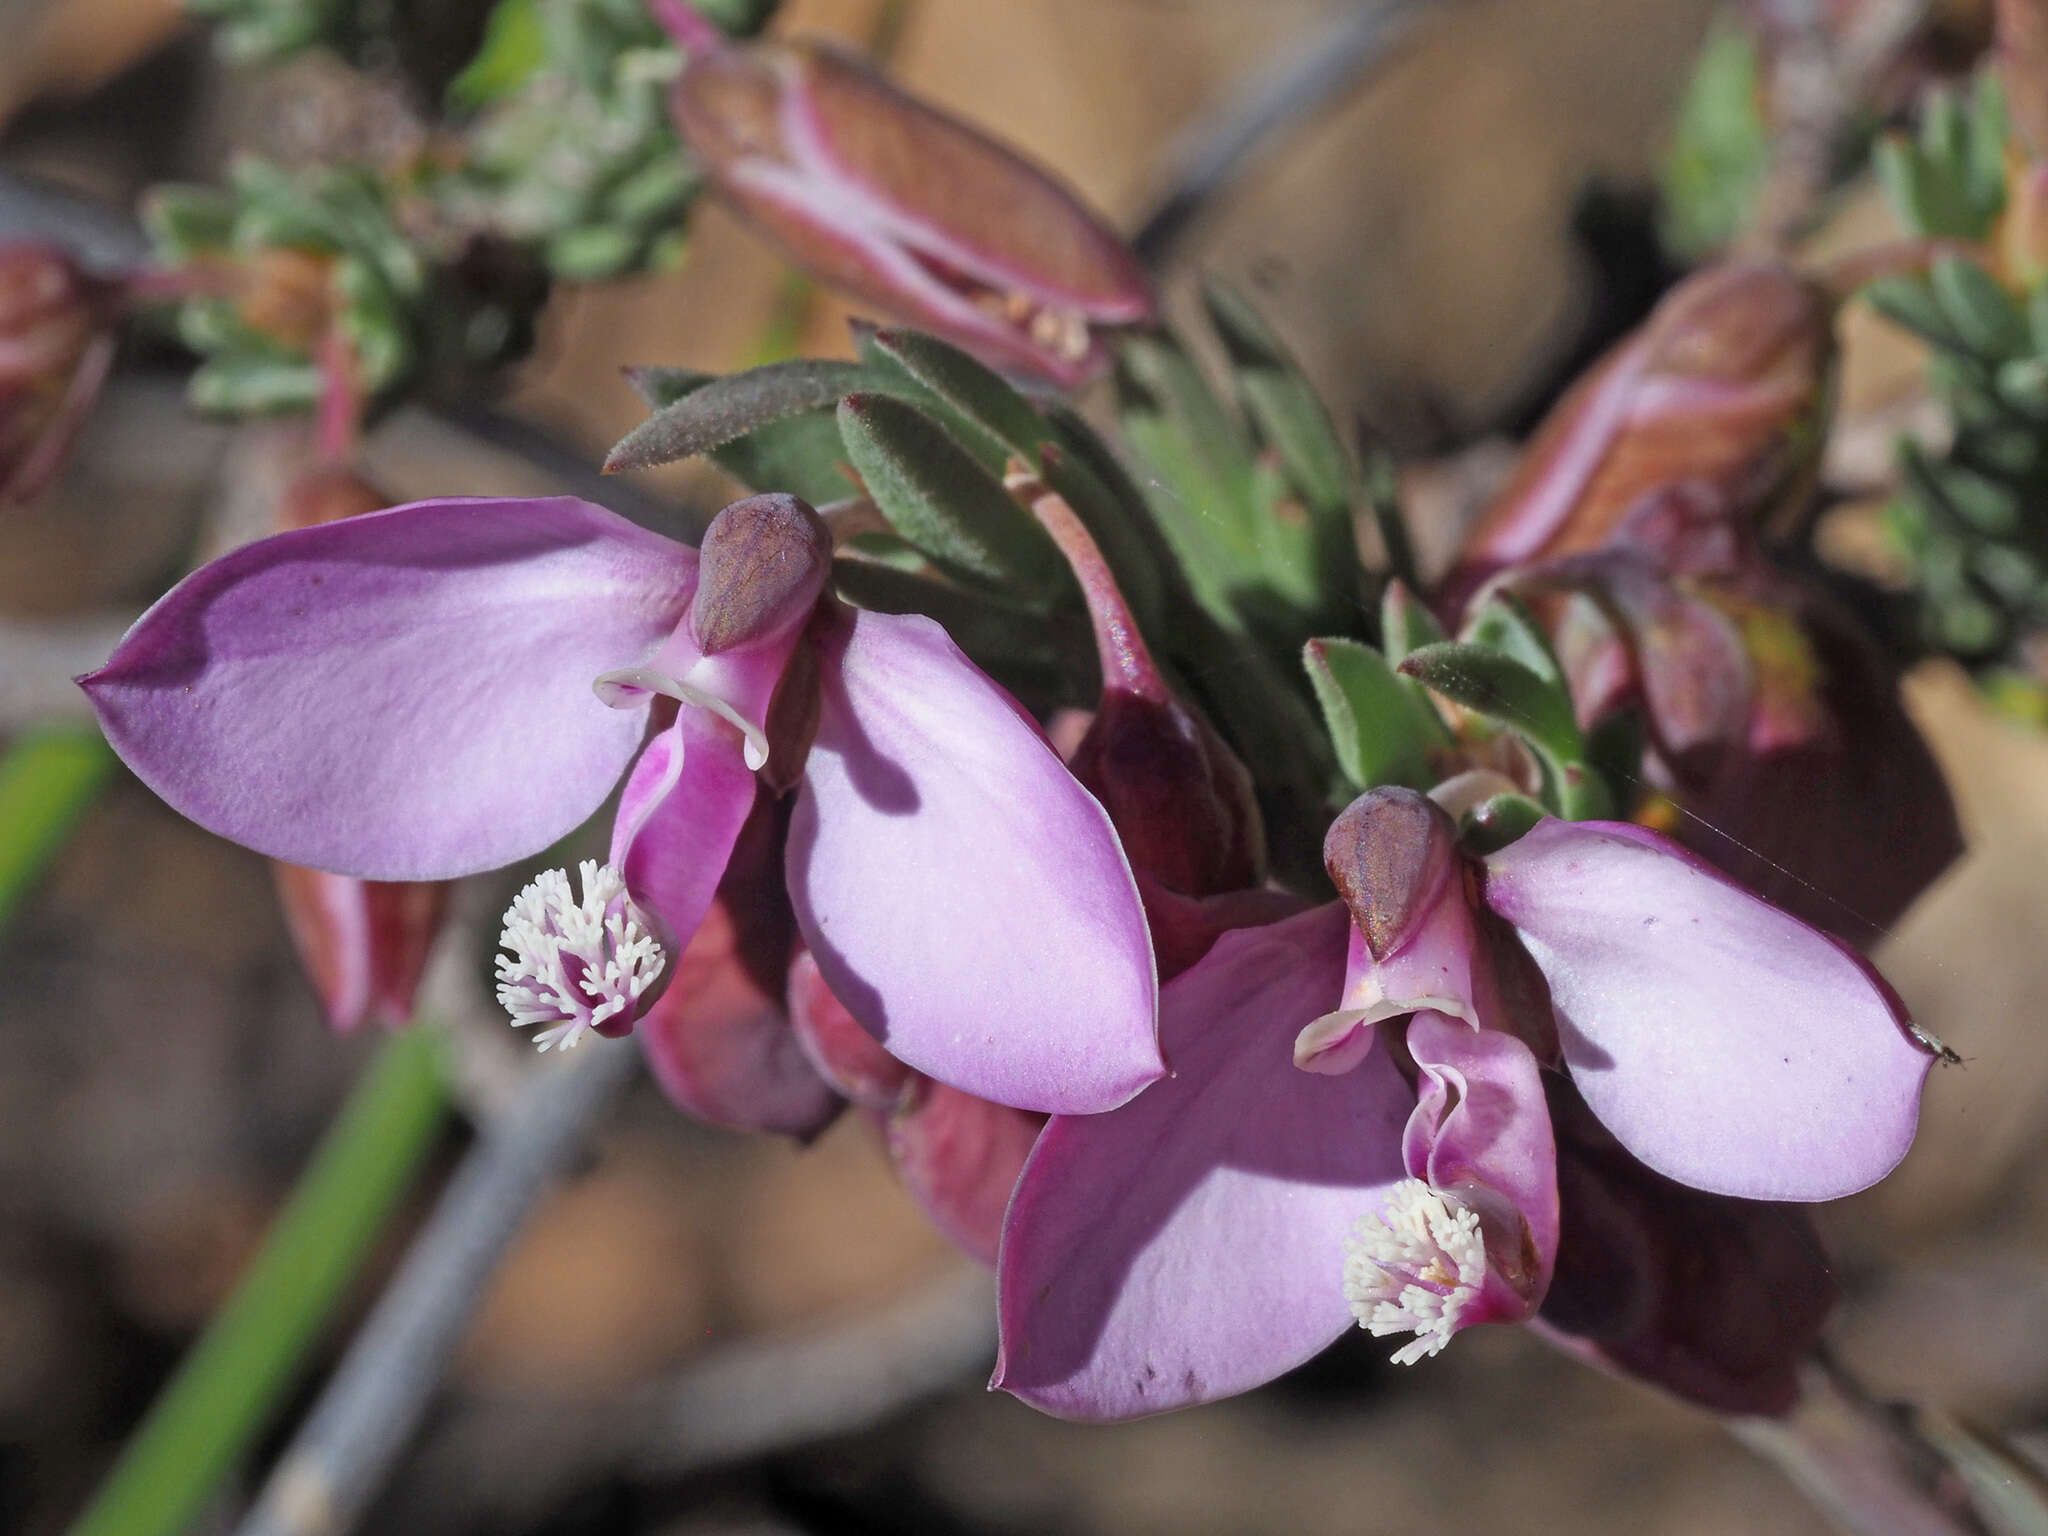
1727, 1044
720, 1046
1716, 1299
683, 806
1481, 1132
1192, 1243
959, 1157
965, 898
404, 695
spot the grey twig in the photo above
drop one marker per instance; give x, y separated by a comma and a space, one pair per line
370, 1409
763, 1395
1278, 95
496, 1464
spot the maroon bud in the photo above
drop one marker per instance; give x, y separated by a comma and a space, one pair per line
363, 943
959, 1157
1389, 854
760, 569
846, 1055
1722, 386
56, 345
897, 203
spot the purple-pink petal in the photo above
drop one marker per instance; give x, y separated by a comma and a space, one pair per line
964, 897
1191, 1244
1724, 1042
683, 806
1481, 1131
404, 695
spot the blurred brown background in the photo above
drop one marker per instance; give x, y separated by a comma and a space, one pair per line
163, 1072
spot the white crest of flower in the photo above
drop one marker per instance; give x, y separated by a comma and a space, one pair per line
574, 964
1415, 1267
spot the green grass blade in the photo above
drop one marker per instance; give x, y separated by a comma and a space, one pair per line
233, 1379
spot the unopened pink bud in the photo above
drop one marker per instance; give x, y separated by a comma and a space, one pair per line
56, 345
363, 943
899, 204
1720, 388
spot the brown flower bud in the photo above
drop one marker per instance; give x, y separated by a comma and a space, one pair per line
899, 204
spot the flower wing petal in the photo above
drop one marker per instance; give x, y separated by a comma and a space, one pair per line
1726, 1043
965, 898
1191, 1244
403, 695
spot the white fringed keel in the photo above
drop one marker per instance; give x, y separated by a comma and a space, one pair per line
1415, 1268
574, 964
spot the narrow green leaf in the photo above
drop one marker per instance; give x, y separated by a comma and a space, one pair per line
1908, 302
1503, 689
1381, 730
1978, 309
940, 498
799, 454
1406, 624
970, 387
513, 50
1504, 623
253, 386
236, 1377
47, 780
730, 407
1282, 406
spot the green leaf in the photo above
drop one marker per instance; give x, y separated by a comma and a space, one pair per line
590, 253
1492, 824
940, 498
1406, 624
241, 385
48, 779
1381, 729
1503, 623
1502, 689
1281, 405
1988, 322
802, 455
1720, 145
1909, 302
799, 454
732, 406
513, 50
1495, 685
970, 387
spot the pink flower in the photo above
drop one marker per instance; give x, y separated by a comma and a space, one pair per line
445, 687
1238, 1216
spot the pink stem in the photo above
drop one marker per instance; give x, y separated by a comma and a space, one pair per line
1126, 664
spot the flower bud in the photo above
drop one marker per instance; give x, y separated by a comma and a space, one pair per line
363, 943
1722, 386
959, 1157
56, 345
1389, 853
846, 1055
903, 206
762, 564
